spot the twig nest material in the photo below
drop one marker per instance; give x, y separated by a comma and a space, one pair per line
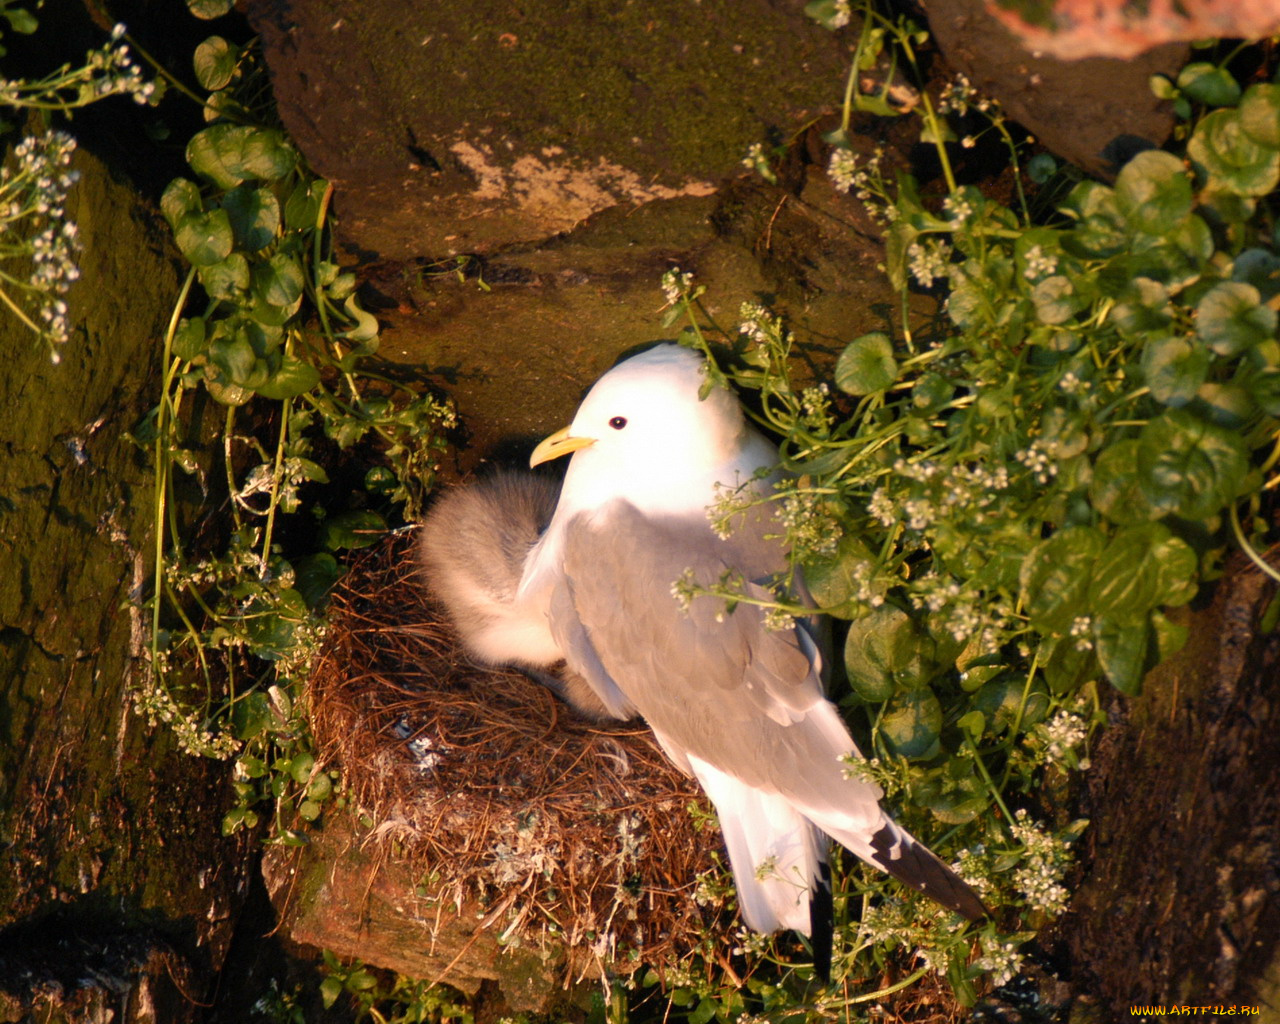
570, 837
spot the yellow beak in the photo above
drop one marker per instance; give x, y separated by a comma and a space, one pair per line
558, 444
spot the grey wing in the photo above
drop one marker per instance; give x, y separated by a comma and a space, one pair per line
739, 704
717, 684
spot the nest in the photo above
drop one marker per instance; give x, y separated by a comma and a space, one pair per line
498, 792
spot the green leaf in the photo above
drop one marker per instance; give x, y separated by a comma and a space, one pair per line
366, 328
1116, 489
1226, 159
885, 652
932, 391
1001, 704
234, 357
1170, 636
826, 13
1174, 369
207, 10
267, 154
1209, 84
221, 388
912, 723
1143, 306
1055, 299
1100, 229
1041, 167
1123, 652
309, 810
330, 990
315, 577
1153, 190
214, 153
866, 365
1227, 405
302, 207
836, 580
1141, 568
703, 1012
1067, 666
1260, 268
1231, 319
226, 279
1259, 112
320, 788
300, 767
20, 20
1055, 577
189, 338
294, 377
180, 198
1190, 467
205, 238
250, 715
214, 63
228, 154
1264, 389
352, 530
952, 800
279, 281
255, 216
897, 241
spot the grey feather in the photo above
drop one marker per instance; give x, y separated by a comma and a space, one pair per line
473, 548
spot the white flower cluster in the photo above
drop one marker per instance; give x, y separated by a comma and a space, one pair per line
107, 71
684, 589
1039, 457
815, 406
158, 706
676, 285
847, 174
1039, 264
947, 493
958, 209
1063, 733
261, 479
34, 195
778, 620
1072, 384
1001, 961
117, 72
928, 260
959, 95
1045, 862
810, 528
842, 168
758, 324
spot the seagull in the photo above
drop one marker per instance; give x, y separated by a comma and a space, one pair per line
737, 704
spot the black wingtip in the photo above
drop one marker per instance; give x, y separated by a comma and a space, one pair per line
897, 853
822, 924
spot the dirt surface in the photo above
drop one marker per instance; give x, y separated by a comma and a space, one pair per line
1180, 902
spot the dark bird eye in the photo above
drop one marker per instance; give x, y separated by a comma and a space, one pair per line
618, 422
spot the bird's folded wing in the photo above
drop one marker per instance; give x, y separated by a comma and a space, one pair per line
716, 683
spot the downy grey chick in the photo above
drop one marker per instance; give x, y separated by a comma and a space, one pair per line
474, 543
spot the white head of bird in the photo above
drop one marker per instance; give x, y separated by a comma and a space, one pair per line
643, 434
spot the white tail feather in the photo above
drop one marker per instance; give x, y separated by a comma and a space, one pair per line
775, 853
